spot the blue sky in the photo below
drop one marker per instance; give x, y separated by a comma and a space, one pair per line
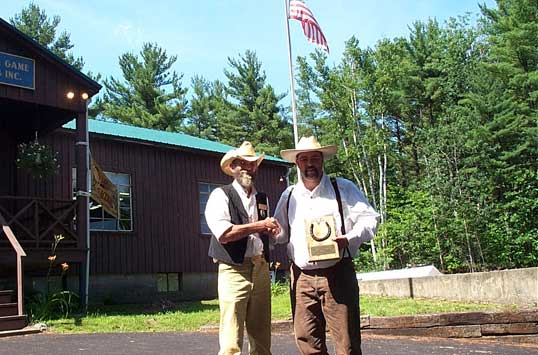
203, 34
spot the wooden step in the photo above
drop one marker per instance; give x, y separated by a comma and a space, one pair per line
8, 309
24, 331
13, 322
6, 296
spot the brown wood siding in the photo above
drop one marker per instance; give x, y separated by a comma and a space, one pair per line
166, 227
52, 81
7, 163
57, 186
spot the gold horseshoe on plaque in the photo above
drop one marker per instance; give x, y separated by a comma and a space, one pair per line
320, 239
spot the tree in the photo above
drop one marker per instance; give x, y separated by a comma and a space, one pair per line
208, 106
341, 118
255, 113
150, 94
35, 23
510, 133
440, 130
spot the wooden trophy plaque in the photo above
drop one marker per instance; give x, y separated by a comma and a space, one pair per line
319, 232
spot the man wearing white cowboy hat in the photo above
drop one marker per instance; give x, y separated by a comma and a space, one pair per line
237, 216
323, 293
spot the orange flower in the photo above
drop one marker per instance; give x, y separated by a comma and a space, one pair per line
52, 258
65, 266
277, 265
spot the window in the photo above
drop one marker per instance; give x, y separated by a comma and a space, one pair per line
204, 190
169, 282
99, 218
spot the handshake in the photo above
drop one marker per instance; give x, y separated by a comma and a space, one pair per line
270, 226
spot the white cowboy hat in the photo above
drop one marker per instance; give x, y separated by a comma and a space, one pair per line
245, 152
308, 144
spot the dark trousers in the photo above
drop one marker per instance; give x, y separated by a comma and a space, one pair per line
326, 298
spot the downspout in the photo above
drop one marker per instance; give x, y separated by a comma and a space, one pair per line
88, 184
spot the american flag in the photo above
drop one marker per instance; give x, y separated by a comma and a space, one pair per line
299, 11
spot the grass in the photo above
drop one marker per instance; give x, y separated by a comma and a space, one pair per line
185, 316
390, 306
190, 316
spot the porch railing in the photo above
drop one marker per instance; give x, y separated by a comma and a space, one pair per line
20, 253
36, 221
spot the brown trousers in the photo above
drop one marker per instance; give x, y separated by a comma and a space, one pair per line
326, 298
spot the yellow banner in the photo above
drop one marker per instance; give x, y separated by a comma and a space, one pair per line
104, 191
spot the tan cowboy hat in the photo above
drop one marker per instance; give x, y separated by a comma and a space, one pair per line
245, 152
308, 144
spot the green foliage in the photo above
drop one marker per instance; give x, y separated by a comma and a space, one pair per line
191, 316
150, 94
439, 129
412, 216
34, 22
37, 159
207, 106
254, 113
280, 288
364, 262
52, 303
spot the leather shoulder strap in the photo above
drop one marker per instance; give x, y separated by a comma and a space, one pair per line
340, 209
288, 213
339, 200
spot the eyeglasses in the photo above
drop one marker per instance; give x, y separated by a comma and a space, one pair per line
244, 163
304, 159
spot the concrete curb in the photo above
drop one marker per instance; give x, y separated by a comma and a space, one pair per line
519, 326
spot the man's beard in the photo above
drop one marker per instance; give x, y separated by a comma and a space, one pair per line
311, 173
245, 179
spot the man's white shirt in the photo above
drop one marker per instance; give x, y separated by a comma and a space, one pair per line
217, 215
360, 218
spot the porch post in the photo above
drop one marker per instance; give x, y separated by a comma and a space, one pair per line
82, 163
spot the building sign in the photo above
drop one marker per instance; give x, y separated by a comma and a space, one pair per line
17, 71
104, 191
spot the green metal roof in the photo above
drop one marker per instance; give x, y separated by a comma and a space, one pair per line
153, 135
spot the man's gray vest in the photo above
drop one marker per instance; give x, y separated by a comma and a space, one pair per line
233, 252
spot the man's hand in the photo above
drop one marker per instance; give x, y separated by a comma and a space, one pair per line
271, 226
240, 231
340, 240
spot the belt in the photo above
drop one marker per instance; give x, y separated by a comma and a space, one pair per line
256, 259
344, 262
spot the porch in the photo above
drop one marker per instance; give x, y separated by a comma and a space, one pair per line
50, 93
35, 222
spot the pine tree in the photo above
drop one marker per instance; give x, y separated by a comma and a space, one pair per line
255, 114
511, 129
34, 22
150, 94
207, 105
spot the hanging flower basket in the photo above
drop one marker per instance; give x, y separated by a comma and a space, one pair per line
37, 159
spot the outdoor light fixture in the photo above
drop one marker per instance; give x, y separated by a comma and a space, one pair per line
71, 95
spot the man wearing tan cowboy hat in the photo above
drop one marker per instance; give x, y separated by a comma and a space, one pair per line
237, 216
324, 291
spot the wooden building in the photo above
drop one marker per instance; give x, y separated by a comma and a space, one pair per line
157, 246
38, 94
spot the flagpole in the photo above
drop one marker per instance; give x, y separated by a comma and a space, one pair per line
292, 84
